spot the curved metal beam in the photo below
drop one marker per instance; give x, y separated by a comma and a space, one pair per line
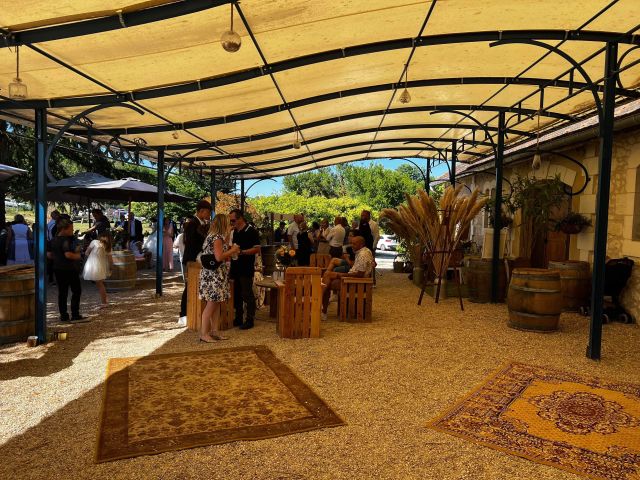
591, 86
619, 64
269, 171
356, 50
238, 117
246, 192
288, 146
108, 23
570, 191
75, 120
477, 122
325, 150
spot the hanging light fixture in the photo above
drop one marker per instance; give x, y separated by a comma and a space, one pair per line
296, 143
175, 134
405, 96
17, 89
230, 40
537, 157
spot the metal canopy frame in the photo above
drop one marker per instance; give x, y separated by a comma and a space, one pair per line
609, 86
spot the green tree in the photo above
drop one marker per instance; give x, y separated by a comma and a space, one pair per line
319, 183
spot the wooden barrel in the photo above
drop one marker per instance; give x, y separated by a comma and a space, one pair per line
575, 283
479, 280
268, 253
534, 299
123, 271
17, 305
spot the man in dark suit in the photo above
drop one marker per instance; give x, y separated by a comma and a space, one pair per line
134, 231
195, 231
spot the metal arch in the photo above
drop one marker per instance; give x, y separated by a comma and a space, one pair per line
570, 191
388, 128
619, 63
356, 50
75, 120
476, 121
182, 157
430, 145
258, 181
424, 176
590, 84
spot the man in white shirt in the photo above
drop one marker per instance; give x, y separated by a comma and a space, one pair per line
361, 268
336, 238
294, 229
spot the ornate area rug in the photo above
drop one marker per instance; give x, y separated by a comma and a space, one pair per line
584, 425
182, 400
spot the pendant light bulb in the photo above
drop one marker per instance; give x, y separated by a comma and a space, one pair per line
175, 135
296, 143
405, 96
17, 89
230, 40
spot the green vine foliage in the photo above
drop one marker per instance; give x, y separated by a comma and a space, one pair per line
536, 198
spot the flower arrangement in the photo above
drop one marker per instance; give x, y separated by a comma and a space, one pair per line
284, 255
119, 238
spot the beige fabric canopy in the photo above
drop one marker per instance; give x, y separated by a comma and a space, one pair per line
345, 102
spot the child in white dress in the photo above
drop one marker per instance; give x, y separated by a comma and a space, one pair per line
98, 265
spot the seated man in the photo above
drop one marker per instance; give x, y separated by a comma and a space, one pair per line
344, 264
362, 267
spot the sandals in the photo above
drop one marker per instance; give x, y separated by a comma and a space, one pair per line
218, 337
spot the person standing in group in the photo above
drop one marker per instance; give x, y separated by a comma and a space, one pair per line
178, 244
280, 235
19, 242
51, 233
243, 268
371, 232
133, 227
335, 237
66, 266
303, 253
97, 268
294, 229
100, 225
194, 233
214, 284
167, 245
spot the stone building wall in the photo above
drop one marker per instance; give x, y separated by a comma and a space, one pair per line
623, 207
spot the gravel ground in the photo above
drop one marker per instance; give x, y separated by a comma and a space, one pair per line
385, 379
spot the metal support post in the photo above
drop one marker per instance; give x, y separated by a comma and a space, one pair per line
427, 178
602, 202
242, 199
497, 208
40, 244
213, 192
160, 224
454, 159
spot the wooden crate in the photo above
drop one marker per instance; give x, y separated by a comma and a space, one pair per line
195, 305
300, 303
356, 299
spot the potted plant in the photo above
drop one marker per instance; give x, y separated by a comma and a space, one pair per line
536, 199
573, 223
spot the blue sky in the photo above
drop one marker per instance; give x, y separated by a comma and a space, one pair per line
268, 187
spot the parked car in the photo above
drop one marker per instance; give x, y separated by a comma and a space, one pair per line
387, 242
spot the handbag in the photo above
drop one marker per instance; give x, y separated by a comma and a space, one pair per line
209, 261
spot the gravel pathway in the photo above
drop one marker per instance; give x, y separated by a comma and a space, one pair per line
385, 379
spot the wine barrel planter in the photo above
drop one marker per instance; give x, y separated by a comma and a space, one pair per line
575, 283
268, 253
123, 271
17, 305
534, 299
479, 280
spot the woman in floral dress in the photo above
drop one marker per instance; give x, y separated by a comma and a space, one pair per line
214, 284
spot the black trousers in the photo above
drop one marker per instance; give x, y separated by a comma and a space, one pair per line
183, 302
335, 252
243, 293
68, 279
